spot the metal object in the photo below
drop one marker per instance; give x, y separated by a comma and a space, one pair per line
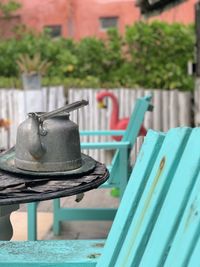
17, 188
49, 142
7, 163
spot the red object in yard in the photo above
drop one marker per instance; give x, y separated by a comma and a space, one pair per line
115, 122
4, 123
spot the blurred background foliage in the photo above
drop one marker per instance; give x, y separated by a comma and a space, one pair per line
151, 55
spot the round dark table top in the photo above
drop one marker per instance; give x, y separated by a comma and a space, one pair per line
18, 188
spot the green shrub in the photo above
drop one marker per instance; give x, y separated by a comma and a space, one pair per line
148, 55
159, 54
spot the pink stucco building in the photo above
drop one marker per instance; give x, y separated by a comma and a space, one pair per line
81, 18
78, 18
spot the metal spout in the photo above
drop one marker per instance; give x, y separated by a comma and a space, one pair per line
36, 148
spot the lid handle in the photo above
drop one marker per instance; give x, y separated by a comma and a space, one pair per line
68, 108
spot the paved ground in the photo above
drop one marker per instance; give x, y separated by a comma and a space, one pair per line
86, 229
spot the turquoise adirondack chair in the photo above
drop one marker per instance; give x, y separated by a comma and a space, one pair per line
157, 223
119, 168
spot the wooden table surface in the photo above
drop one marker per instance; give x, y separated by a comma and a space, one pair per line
16, 189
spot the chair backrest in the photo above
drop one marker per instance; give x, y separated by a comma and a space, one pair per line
141, 106
158, 221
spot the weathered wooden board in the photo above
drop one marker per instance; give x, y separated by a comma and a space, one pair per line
171, 109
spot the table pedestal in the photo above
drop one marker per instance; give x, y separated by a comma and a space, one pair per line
6, 230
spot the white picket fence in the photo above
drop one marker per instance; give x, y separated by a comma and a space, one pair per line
171, 109
14, 106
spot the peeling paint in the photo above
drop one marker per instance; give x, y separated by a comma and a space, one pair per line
193, 212
94, 255
146, 206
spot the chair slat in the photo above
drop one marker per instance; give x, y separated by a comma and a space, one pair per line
59, 253
131, 133
194, 259
188, 232
153, 196
133, 192
174, 205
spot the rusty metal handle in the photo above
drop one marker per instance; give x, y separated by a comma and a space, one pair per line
67, 108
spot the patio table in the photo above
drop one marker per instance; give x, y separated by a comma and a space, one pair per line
18, 188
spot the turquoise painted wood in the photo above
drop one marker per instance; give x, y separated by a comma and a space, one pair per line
103, 132
194, 259
87, 253
158, 220
153, 197
119, 168
76, 253
131, 197
32, 221
188, 233
178, 201
165, 227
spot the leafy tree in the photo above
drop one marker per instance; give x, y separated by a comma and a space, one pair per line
7, 8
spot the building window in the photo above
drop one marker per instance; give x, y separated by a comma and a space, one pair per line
108, 22
54, 30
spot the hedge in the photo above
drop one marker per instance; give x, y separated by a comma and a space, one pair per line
151, 55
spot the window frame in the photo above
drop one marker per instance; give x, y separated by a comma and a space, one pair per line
103, 19
54, 28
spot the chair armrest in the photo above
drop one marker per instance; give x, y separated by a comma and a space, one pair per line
102, 132
106, 145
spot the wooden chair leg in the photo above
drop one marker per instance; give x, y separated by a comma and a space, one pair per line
123, 170
32, 221
56, 221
